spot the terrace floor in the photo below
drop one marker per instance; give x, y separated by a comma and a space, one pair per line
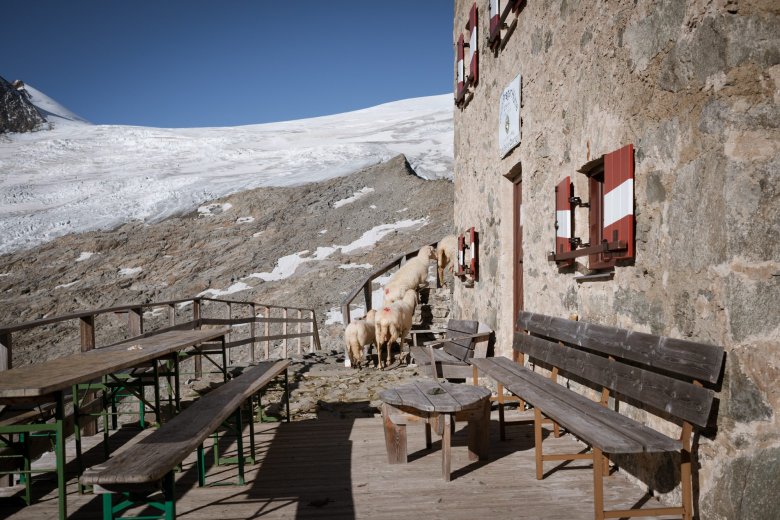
337, 468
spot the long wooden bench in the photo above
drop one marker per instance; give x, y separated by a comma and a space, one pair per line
148, 465
661, 375
463, 341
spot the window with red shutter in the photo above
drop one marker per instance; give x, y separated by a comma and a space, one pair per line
610, 213
473, 47
460, 73
564, 219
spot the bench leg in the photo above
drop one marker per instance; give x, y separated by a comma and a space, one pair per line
170, 496
395, 438
686, 484
538, 443
200, 464
598, 484
501, 425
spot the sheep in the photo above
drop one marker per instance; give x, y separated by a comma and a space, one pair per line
446, 254
411, 275
357, 335
393, 323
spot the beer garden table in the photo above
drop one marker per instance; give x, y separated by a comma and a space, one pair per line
49, 381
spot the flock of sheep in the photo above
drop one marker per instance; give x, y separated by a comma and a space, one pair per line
392, 323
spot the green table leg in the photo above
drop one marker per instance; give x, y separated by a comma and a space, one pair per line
170, 496
59, 448
240, 446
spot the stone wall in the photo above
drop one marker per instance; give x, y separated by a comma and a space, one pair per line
695, 87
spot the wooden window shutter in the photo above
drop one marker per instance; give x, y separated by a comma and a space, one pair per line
473, 49
564, 219
618, 202
460, 90
495, 20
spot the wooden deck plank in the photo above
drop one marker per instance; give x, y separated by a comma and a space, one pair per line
337, 469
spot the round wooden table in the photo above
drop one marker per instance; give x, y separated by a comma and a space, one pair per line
439, 405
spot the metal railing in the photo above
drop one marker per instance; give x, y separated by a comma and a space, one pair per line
291, 320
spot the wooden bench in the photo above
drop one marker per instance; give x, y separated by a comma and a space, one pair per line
661, 375
149, 465
463, 341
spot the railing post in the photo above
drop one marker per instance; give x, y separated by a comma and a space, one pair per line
172, 314
135, 322
230, 317
367, 296
299, 332
196, 319
315, 331
345, 313
87, 333
5, 364
5, 350
267, 332
252, 331
284, 333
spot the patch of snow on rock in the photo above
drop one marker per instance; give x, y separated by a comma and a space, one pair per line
349, 200
85, 255
236, 287
210, 210
66, 285
355, 266
130, 271
375, 234
245, 220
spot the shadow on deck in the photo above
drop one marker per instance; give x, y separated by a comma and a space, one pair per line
337, 468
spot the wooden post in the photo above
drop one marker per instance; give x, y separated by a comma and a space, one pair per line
171, 314
196, 318
230, 317
252, 331
316, 331
299, 332
267, 332
367, 296
345, 314
5, 350
135, 322
87, 331
284, 333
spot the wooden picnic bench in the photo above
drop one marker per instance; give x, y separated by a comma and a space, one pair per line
463, 341
661, 375
148, 465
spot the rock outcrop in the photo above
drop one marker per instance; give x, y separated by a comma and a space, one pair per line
17, 113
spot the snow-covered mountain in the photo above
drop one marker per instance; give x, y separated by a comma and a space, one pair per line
78, 176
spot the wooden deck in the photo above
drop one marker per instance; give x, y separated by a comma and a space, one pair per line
337, 468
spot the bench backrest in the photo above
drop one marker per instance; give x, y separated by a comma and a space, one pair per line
462, 349
654, 370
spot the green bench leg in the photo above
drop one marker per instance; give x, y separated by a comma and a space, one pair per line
167, 506
200, 462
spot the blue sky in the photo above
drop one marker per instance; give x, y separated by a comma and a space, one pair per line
178, 63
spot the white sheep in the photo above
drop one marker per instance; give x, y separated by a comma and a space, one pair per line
411, 275
446, 254
358, 334
393, 323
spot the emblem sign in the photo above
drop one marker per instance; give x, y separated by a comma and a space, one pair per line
509, 117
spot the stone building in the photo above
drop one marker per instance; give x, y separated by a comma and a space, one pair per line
680, 99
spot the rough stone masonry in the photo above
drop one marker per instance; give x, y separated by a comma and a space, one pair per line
695, 87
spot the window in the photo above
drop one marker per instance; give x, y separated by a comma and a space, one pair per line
610, 213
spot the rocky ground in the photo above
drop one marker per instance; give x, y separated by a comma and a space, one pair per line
220, 246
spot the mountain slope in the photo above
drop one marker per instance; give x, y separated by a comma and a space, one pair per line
79, 177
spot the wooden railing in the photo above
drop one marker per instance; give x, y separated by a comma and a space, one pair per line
366, 286
234, 313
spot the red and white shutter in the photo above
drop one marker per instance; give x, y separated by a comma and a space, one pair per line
460, 72
618, 203
473, 54
564, 217
495, 19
